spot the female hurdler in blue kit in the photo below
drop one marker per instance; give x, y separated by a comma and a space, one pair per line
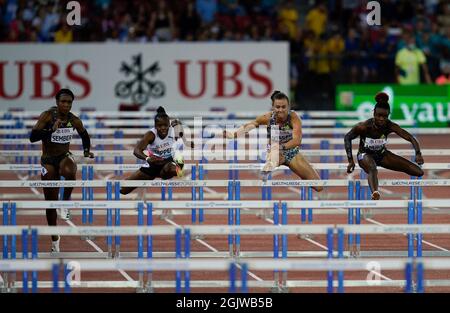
284, 129
372, 150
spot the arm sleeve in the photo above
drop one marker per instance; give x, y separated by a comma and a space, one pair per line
348, 147
39, 134
86, 141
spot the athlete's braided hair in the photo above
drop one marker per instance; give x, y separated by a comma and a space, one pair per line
382, 101
161, 114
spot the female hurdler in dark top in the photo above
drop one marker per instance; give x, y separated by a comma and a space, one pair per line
55, 128
372, 150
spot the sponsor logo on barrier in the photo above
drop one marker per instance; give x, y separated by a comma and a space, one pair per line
97, 232
349, 204
212, 204
175, 184
76, 204
293, 183
24, 167
129, 166
38, 184
421, 183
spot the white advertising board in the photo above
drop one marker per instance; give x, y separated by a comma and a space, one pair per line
179, 76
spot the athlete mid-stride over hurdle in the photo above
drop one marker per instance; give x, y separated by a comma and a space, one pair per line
284, 130
160, 142
55, 128
372, 150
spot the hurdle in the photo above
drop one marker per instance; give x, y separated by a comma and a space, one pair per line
235, 244
280, 264
23, 124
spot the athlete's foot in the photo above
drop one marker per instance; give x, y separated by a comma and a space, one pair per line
376, 195
266, 170
64, 214
179, 170
55, 245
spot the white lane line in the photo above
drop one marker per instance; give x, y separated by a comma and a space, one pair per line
33, 189
424, 241
95, 246
207, 245
380, 275
308, 239
326, 248
199, 240
316, 243
387, 191
251, 274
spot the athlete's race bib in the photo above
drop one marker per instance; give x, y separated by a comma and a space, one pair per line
375, 144
62, 135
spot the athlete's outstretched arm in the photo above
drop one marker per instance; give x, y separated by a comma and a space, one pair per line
148, 138
85, 139
296, 133
179, 133
352, 134
260, 120
38, 132
408, 137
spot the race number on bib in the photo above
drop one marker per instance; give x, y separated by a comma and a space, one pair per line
62, 135
375, 144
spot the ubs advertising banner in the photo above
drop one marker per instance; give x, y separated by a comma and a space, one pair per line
428, 105
179, 76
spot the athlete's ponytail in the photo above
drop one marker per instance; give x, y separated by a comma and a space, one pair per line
161, 114
382, 101
277, 95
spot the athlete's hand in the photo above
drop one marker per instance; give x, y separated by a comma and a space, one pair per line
153, 158
57, 124
88, 154
175, 122
229, 135
350, 166
419, 159
177, 127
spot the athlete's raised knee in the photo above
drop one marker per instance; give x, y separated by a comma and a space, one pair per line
373, 170
418, 171
168, 171
68, 173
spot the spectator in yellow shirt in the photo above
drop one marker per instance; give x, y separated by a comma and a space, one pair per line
288, 17
64, 34
316, 19
335, 49
409, 60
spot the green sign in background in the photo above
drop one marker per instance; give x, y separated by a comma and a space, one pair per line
427, 105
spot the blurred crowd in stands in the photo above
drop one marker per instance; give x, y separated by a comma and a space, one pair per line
330, 40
